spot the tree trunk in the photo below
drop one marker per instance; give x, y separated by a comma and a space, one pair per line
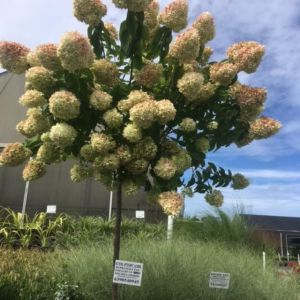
117, 237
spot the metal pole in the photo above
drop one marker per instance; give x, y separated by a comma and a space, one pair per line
110, 205
281, 244
25, 201
170, 227
264, 260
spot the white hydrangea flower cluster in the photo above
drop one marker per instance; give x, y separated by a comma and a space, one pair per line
100, 100
32, 98
40, 79
105, 72
47, 56
190, 85
174, 16
89, 11
187, 125
75, 51
63, 134
64, 105
132, 5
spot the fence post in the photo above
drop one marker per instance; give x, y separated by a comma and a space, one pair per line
264, 260
170, 227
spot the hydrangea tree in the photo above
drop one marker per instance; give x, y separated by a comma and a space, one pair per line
137, 108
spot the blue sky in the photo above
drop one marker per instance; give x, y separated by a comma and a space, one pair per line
272, 165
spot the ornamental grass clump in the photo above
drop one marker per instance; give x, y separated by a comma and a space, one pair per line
146, 106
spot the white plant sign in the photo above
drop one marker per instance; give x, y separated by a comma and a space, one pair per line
51, 209
219, 280
140, 214
128, 272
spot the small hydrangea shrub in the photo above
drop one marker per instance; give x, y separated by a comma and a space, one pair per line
137, 108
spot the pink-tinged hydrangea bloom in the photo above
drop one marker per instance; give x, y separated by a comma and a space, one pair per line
132, 5
165, 111
14, 154
75, 51
63, 134
33, 60
174, 16
205, 27
102, 143
246, 55
214, 198
47, 56
89, 11
40, 79
151, 14
190, 84
239, 181
32, 98
124, 154
250, 100
36, 123
34, 170
132, 133
80, 172
171, 203
143, 114
105, 72
113, 32
165, 168
263, 128
149, 74
187, 125
223, 73
64, 105
13, 57
100, 100
186, 46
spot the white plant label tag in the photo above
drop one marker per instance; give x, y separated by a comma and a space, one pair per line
219, 280
51, 209
140, 214
128, 272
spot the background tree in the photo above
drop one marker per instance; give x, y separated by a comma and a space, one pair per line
138, 111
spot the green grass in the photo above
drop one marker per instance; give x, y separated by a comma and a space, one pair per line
175, 270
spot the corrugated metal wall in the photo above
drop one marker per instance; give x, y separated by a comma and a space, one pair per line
56, 188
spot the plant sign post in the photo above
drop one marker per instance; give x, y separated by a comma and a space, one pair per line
138, 106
